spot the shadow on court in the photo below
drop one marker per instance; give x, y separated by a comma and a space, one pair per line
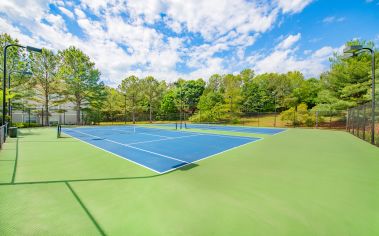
188, 167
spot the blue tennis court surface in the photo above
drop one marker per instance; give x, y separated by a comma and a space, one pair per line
232, 128
159, 150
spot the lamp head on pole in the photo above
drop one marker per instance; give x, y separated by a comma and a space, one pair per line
27, 73
353, 49
33, 49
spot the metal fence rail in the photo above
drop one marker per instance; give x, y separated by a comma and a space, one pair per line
3, 134
361, 124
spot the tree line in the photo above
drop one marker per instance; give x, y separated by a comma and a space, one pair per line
71, 76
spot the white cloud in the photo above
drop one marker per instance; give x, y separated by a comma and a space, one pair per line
67, 12
123, 46
149, 9
293, 6
22, 9
95, 5
284, 60
79, 13
289, 41
332, 19
214, 18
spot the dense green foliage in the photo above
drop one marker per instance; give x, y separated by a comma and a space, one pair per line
71, 76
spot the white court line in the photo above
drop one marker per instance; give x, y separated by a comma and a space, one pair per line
156, 135
197, 132
127, 131
140, 149
243, 130
220, 135
258, 139
158, 140
164, 139
119, 156
285, 130
187, 163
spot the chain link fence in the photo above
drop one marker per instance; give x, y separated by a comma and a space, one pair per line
358, 120
363, 122
331, 119
311, 119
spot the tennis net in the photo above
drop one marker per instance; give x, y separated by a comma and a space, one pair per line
205, 125
121, 129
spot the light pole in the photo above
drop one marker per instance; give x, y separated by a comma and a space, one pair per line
354, 50
32, 49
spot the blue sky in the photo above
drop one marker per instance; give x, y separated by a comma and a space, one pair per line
190, 39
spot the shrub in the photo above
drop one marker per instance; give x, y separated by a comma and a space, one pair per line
25, 125
300, 117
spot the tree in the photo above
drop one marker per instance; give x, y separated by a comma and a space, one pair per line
13, 54
45, 80
306, 92
256, 97
348, 80
131, 89
96, 104
81, 78
191, 91
211, 107
168, 108
152, 91
14, 64
112, 106
232, 92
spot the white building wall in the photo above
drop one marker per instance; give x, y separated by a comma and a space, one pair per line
68, 117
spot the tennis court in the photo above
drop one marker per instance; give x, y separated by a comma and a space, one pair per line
284, 184
160, 150
230, 128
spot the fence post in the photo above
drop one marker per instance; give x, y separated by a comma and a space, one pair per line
316, 119
358, 122
364, 123
258, 118
348, 120
42, 116
275, 119
29, 117
353, 120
